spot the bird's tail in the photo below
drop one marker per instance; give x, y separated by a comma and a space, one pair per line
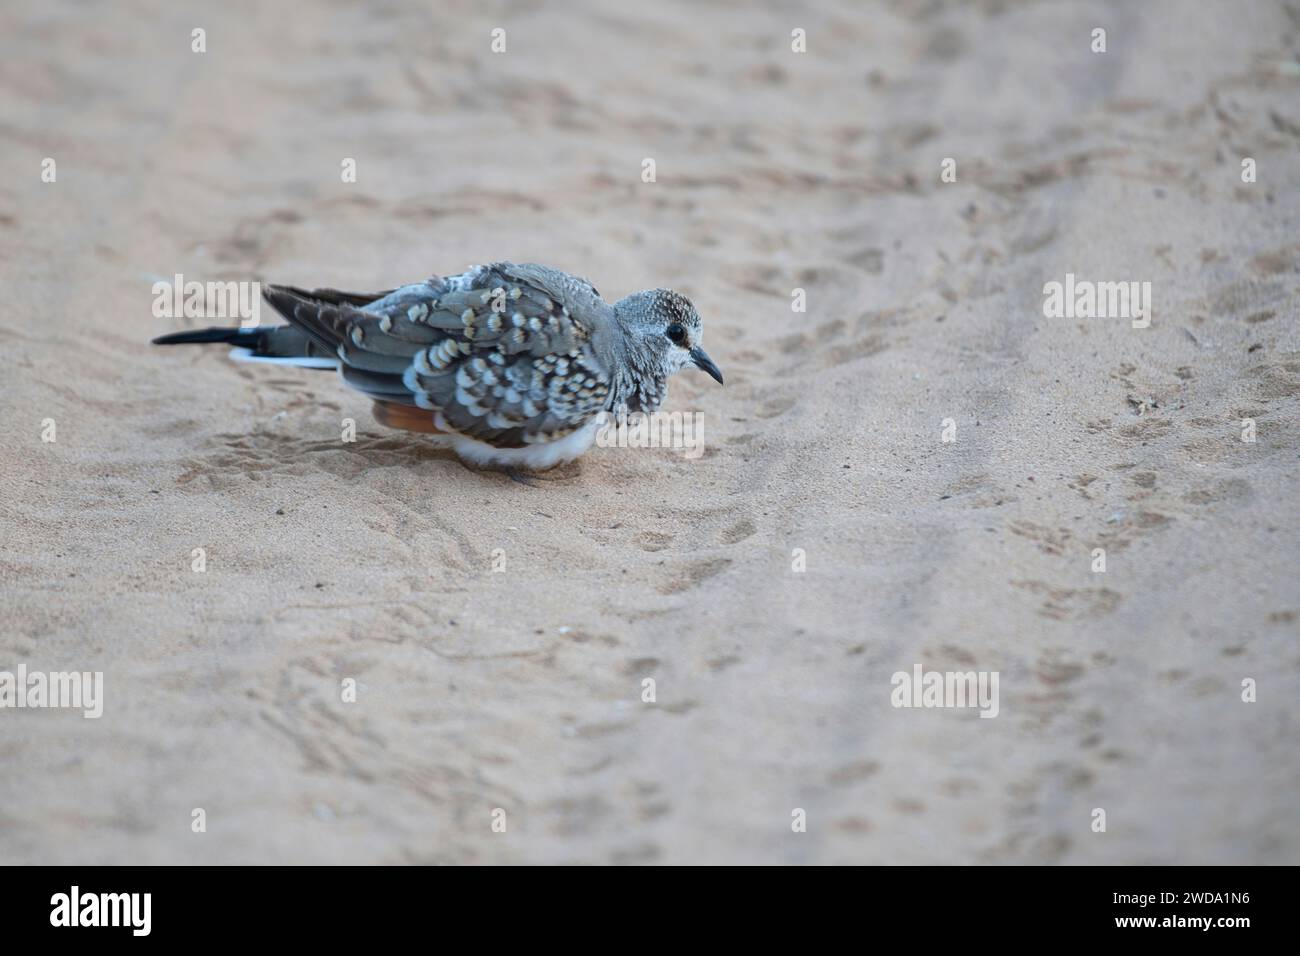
239, 337
276, 344
311, 340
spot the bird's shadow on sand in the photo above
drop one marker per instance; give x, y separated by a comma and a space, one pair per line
259, 452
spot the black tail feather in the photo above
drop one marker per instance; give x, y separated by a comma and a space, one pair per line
262, 342
243, 338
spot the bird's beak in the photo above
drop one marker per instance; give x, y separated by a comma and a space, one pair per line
705, 364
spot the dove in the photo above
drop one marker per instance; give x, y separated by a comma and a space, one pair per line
509, 364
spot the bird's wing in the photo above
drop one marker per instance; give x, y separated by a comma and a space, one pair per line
503, 352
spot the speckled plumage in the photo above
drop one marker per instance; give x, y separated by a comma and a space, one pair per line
516, 363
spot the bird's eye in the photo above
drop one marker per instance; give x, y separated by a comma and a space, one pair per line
676, 333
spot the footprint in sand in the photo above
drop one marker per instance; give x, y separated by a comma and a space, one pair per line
689, 576
738, 532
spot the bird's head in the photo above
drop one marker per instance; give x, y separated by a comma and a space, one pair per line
667, 332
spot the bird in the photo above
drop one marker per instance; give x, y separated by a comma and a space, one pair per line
512, 365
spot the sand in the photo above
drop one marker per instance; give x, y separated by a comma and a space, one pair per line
521, 689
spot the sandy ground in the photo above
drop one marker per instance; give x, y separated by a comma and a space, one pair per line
522, 690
